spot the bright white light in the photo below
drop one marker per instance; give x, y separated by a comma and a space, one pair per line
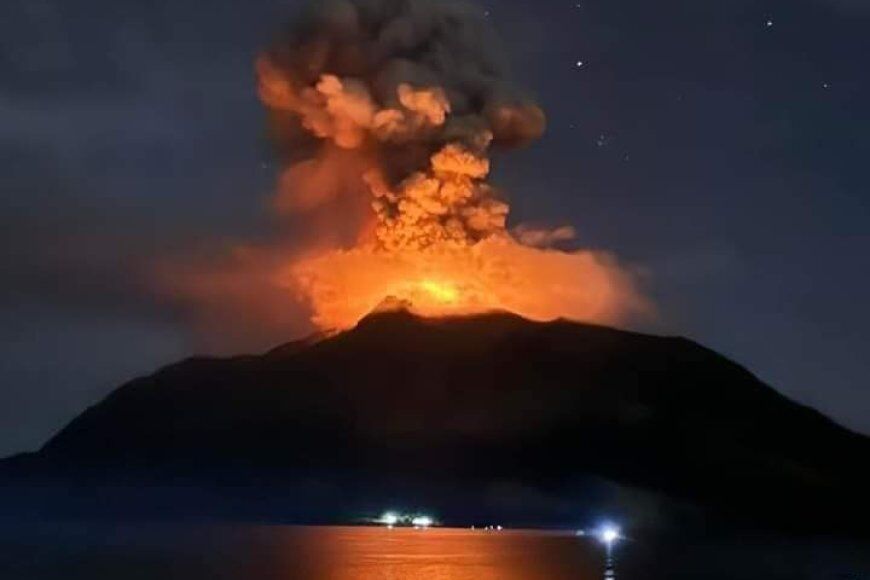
421, 521
390, 519
609, 534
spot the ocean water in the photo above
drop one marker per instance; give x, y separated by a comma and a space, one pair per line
248, 552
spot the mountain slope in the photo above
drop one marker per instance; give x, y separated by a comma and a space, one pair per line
401, 401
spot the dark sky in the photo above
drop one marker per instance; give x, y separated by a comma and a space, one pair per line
722, 146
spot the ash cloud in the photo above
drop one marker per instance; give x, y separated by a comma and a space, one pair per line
401, 74
384, 114
387, 101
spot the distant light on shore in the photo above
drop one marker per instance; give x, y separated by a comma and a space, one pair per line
609, 534
421, 521
389, 519
392, 519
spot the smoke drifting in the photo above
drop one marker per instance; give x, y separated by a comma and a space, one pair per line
415, 87
396, 71
384, 114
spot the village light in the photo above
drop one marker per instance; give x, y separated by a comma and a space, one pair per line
609, 534
421, 521
390, 519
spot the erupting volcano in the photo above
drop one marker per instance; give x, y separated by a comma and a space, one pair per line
384, 115
400, 104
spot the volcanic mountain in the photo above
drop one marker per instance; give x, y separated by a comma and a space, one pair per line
479, 416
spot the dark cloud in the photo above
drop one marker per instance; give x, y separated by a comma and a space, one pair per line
379, 52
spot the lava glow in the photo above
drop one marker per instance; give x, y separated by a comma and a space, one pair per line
439, 245
435, 237
442, 292
385, 115
497, 273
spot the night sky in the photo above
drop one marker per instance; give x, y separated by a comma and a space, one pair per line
722, 147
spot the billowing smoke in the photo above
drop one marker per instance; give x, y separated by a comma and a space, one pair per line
384, 114
399, 72
417, 88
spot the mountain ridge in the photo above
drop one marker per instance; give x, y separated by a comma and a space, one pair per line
402, 402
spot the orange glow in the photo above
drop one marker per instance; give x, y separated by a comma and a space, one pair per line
496, 273
440, 246
383, 185
415, 151
443, 292
366, 553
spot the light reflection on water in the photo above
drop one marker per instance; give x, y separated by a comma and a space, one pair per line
47, 551
158, 552
439, 554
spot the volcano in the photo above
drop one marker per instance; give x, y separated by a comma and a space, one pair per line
478, 416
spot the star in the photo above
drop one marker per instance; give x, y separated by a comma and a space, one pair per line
769, 23
579, 63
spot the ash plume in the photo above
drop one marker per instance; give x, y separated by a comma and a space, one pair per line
397, 72
385, 114
414, 87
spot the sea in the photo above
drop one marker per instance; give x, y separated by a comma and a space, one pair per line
107, 551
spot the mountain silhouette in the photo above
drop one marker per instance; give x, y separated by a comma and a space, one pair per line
479, 416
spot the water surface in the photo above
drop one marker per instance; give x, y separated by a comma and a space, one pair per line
264, 552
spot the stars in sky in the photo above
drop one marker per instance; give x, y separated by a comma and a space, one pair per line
603, 140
